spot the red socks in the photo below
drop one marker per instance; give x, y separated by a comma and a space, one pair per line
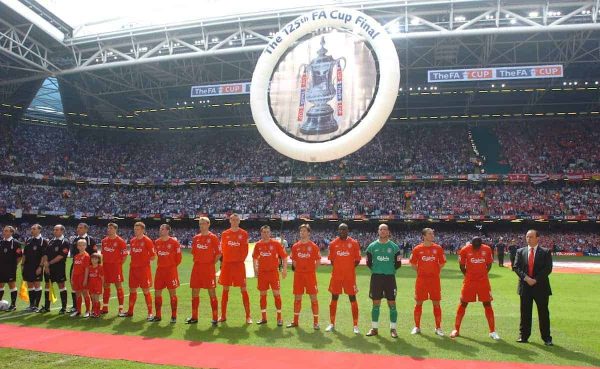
332, 311
354, 306
158, 304
120, 298
195, 304
148, 298
132, 298
278, 307
246, 300
460, 313
315, 310
489, 315
214, 306
297, 308
224, 299
417, 315
88, 303
173, 306
263, 306
437, 313
105, 298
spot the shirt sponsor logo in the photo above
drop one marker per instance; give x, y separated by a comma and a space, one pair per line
477, 261
265, 254
303, 255
201, 247
233, 243
428, 258
133, 249
109, 249
343, 253
163, 253
383, 258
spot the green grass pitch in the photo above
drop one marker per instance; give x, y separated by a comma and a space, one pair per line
573, 308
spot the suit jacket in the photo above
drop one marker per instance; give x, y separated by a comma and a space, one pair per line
542, 267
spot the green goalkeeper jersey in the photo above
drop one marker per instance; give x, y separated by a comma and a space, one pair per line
383, 257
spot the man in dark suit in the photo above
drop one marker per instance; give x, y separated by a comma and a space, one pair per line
533, 264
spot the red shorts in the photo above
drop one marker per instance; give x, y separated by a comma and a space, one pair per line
305, 283
347, 284
113, 272
203, 276
476, 291
140, 277
95, 286
233, 274
77, 282
268, 280
428, 288
166, 278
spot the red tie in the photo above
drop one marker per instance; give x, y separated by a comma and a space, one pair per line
530, 262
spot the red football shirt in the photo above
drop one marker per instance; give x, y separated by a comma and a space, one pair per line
305, 255
80, 262
344, 254
268, 254
114, 250
205, 248
169, 253
141, 251
476, 262
234, 245
428, 260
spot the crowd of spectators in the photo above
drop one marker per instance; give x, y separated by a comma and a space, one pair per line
312, 200
450, 240
551, 147
223, 153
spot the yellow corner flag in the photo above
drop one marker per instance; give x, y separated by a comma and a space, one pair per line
23, 294
52, 294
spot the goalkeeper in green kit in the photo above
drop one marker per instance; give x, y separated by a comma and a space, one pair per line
383, 258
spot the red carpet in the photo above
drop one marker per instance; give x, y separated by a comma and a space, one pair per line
215, 355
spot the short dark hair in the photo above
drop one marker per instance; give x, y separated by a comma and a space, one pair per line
425, 230
537, 233
84, 225
343, 226
476, 241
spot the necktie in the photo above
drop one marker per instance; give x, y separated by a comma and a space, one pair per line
530, 262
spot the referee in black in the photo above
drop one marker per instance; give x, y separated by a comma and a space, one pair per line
10, 256
32, 265
55, 266
91, 248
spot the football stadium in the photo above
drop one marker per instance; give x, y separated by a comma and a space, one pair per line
300, 184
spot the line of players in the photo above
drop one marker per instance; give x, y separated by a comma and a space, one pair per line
93, 272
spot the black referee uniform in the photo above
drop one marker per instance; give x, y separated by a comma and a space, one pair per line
35, 248
91, 248
57, 272
10, 256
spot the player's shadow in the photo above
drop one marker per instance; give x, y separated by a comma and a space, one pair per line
568, 354
273, 333
158, 329
197, 333
127, 326
315, 338
403, 347
449, 344
232, 334
357, 342
503, 347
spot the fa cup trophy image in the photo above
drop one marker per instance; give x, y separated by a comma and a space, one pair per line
320, 117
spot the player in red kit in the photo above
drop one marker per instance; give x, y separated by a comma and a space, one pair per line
114, 253
140, 274
305, 260
234, 247
168, 253
428, 259
95, 282
475, 261
205, 250
344, 253
79, 281
266, 255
